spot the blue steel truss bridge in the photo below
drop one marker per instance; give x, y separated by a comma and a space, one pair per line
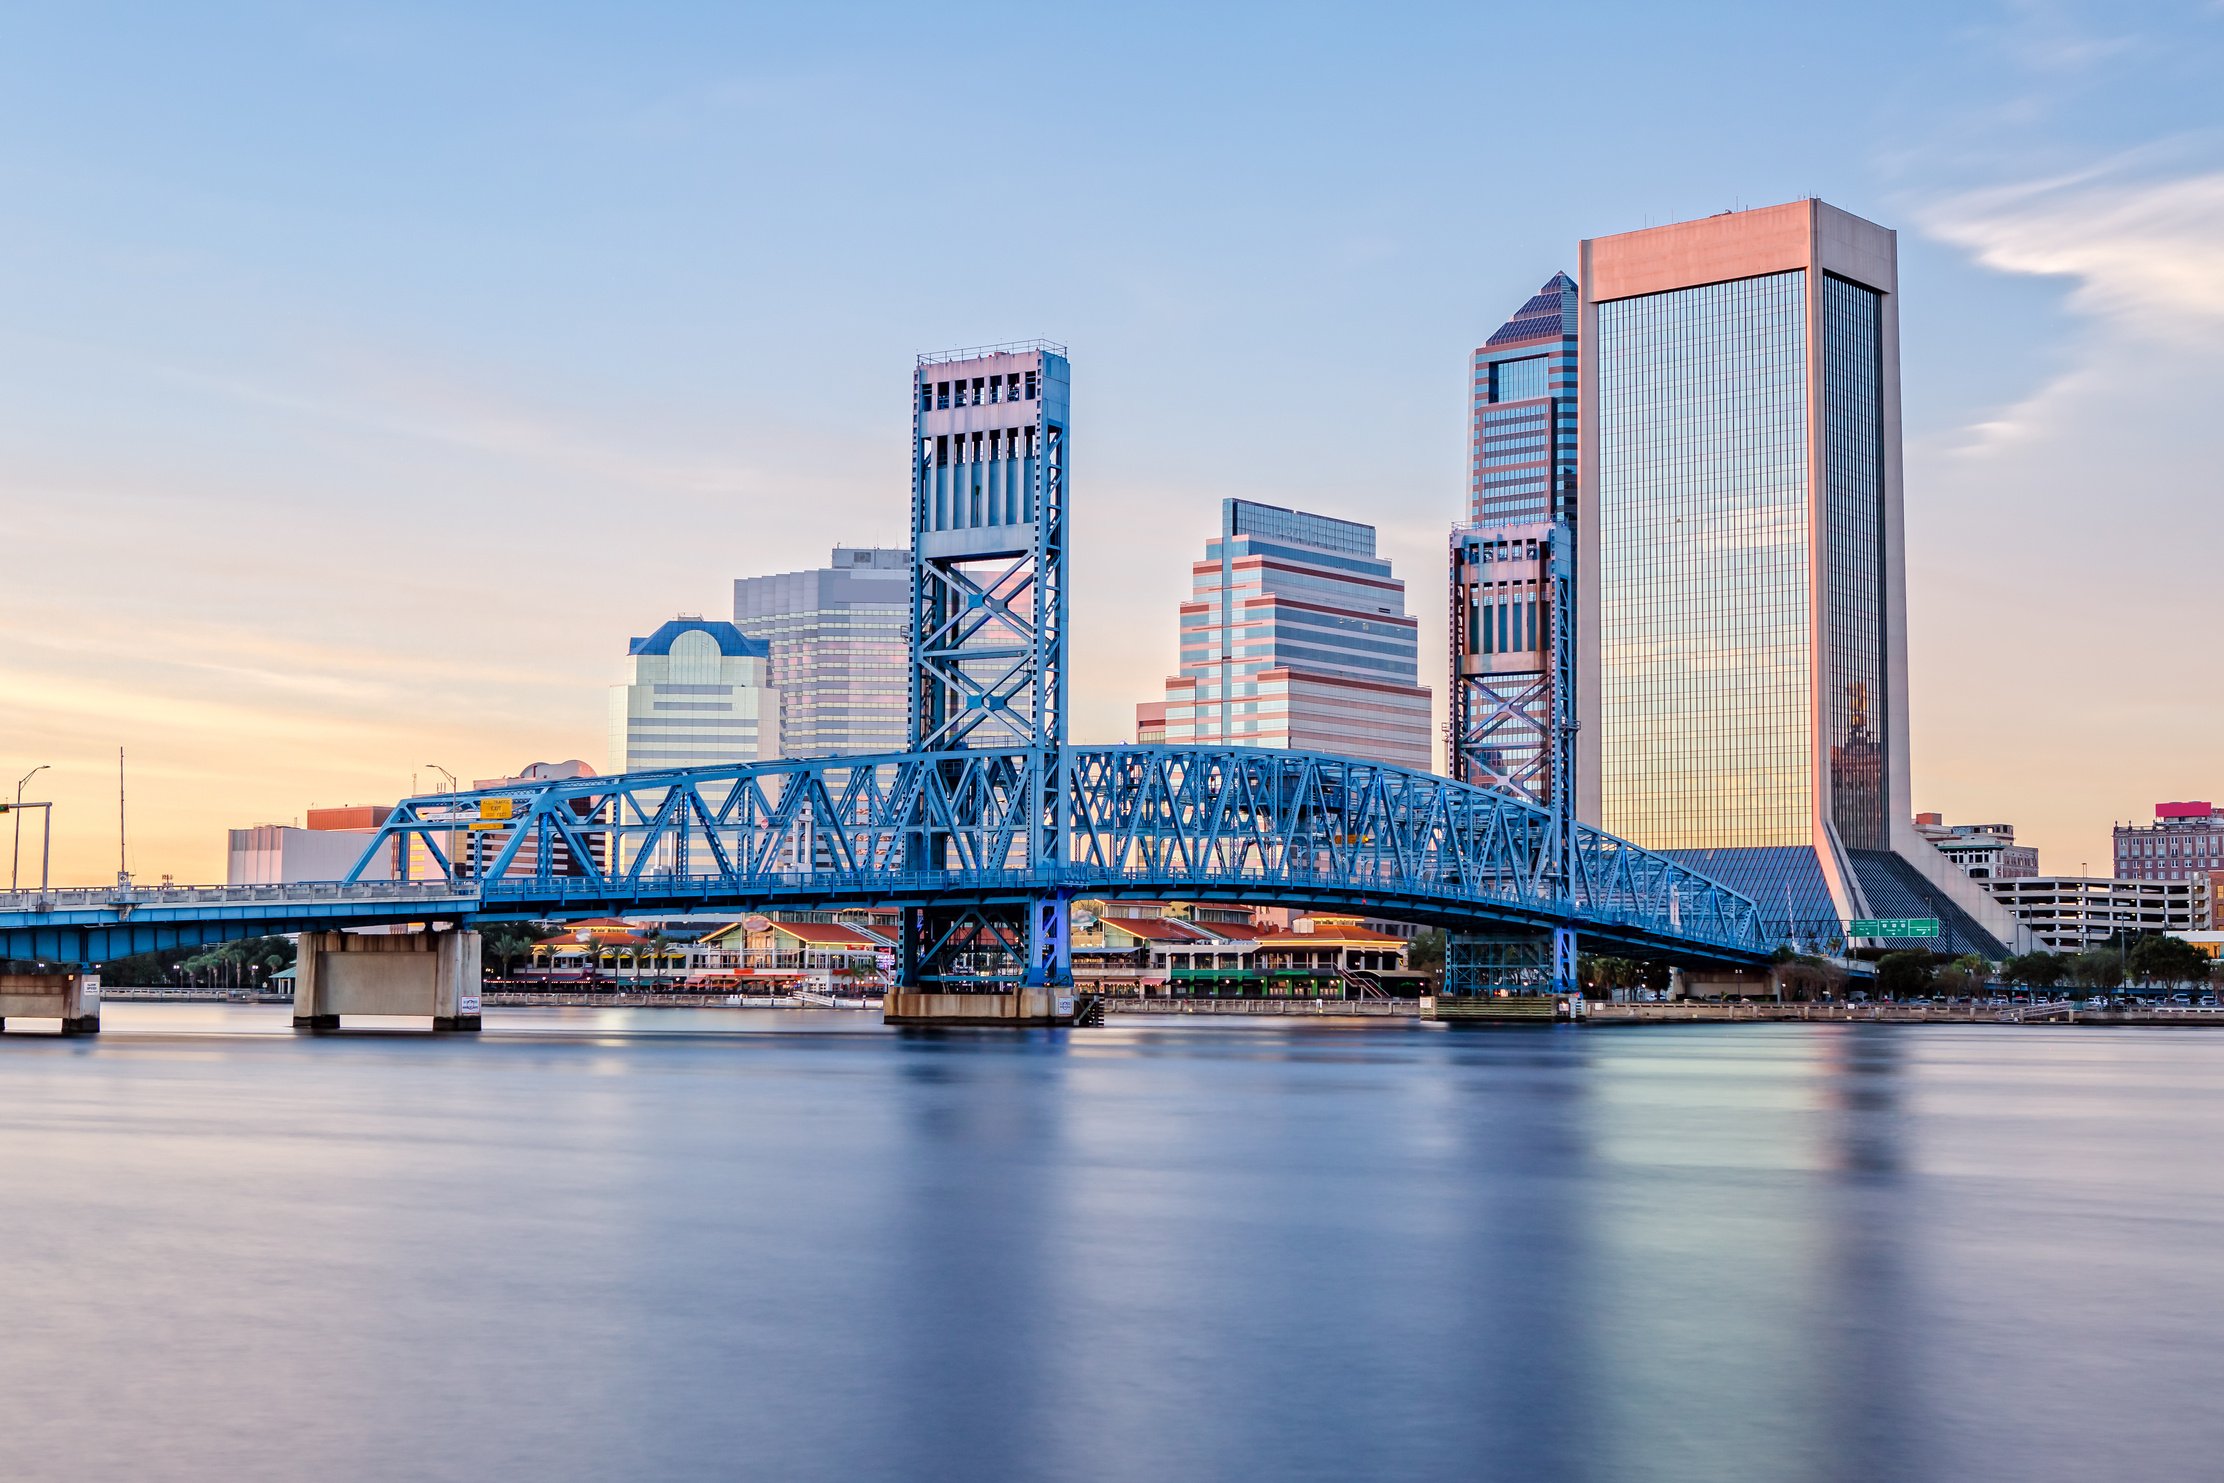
987, 830
961, 832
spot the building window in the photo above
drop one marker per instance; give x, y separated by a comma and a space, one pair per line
1517, 380
1030, 386
942, 395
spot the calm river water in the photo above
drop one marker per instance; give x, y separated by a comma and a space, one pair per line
734, 1244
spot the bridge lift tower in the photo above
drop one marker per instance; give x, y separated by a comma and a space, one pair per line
1513, 723
991, 440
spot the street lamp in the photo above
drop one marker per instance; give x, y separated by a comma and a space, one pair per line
15, 861
451, 777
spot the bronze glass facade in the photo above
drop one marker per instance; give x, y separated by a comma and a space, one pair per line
1702, 510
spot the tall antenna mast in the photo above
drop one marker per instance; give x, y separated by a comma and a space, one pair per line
123, 870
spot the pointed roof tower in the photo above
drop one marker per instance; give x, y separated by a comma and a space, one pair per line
1547, 316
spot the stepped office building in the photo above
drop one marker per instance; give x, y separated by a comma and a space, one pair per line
1741, 634
840, 650
1296, 637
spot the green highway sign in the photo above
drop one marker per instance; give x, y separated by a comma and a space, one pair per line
1893, 927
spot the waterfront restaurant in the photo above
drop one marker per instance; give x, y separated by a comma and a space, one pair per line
768, 947
1179, 950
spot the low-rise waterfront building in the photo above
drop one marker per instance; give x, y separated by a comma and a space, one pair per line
822, 947
762, 952
1180, 949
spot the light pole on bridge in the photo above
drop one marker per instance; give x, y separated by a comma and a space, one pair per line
15, 862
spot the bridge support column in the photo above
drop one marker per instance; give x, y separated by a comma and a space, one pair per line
410, 973
72, 997
1508, 977
1008, 967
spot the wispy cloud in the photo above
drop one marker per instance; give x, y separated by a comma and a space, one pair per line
2047, 36
2145, 256
2081, 485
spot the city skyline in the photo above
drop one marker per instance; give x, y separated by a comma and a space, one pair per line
232, 441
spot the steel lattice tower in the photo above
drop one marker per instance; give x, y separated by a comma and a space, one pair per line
989, 455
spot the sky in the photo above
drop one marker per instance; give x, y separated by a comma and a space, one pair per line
369, 373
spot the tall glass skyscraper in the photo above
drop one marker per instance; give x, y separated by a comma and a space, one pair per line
1521, 455
840, 645
1296, 636
1521, 479
1742, 625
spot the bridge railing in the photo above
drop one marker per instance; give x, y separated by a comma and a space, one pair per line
67, 898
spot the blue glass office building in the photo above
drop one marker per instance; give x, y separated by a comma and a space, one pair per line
1521, 479
1741, 632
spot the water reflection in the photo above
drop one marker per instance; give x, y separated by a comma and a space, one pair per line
793, 1247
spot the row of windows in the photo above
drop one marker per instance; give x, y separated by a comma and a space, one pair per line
1508, 549
996, 443
691, 755
981, 391
2171, 847
1503, 627
1363, 564
1245, 518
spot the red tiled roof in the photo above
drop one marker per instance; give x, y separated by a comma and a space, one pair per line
827, 934
1236, 931
1157, 929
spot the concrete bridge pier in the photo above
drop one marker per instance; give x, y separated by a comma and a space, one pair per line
940, 946
73, 997
410, 973
1508, 976
1023, 1007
